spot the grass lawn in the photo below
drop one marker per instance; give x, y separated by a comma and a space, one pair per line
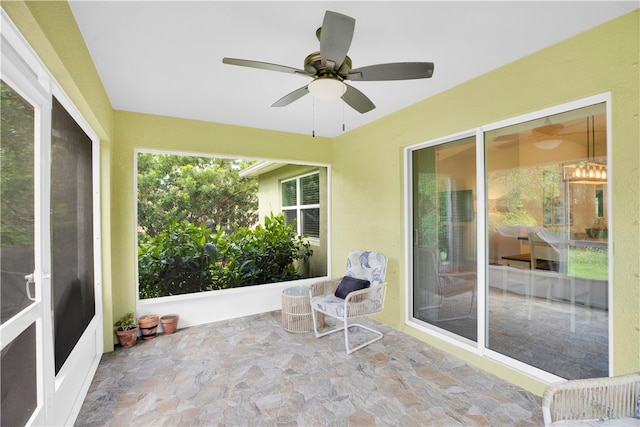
589, 263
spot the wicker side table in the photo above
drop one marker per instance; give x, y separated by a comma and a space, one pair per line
296, 310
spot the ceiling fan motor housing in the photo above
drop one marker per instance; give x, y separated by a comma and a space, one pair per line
313, 65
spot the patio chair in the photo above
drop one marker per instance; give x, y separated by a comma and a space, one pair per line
549, 264
613, 401
360, 292
436, 287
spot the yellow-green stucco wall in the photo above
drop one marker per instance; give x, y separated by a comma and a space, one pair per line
603, 59
367, 180
141, 131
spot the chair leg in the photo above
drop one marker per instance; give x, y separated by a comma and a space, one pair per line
378, 336
315, 326
345, 326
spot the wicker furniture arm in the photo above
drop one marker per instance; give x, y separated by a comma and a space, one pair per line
593, 398
324, 288
365, 301
457, 283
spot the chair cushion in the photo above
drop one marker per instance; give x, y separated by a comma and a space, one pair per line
367, 265
350, 284
330, 305
333, 306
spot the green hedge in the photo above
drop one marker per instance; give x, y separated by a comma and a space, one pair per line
185, 258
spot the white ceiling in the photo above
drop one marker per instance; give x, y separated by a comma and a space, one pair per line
165, 57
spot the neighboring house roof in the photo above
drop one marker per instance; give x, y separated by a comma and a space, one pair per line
260, 168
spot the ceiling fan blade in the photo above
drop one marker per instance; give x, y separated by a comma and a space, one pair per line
264, 66
393, 71
357, 100
290, 97
335, 39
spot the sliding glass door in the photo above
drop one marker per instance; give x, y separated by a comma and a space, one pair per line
542, 297
547, 288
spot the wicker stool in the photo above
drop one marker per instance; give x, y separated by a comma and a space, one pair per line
296, 310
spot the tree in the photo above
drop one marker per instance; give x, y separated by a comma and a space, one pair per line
17, 167
200, 190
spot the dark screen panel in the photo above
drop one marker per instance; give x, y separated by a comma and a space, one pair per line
71, 232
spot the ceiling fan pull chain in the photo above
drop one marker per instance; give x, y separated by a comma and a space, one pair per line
343, 116
313, 118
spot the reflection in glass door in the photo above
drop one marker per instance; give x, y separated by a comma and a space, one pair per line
444, 237
547, 289
21, 299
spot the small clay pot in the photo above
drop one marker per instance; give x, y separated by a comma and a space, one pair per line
148, 326
127, 338
169, 323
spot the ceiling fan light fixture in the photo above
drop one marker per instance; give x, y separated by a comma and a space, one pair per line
548, 144
327, 88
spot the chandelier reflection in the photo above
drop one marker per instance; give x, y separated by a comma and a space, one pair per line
592, 170
586, 172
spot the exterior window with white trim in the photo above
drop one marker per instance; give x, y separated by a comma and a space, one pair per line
301, 203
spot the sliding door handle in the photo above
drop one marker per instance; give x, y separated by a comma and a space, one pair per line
30, 280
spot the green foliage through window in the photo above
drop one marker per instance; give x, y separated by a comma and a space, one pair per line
186, 258
17, 167
200, 190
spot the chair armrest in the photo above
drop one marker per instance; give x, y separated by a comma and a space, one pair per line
591, 398
365, 301
325, 287
457, 283
461, 274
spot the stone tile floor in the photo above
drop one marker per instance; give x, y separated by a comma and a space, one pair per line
250, 372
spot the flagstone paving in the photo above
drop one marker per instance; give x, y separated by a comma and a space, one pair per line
250, 372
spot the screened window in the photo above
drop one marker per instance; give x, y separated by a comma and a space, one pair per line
301, 203
71, 231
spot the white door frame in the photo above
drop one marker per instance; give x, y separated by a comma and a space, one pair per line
60, 397
74, 378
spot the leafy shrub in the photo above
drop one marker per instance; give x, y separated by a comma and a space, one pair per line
185, 258
176, 261
258, 256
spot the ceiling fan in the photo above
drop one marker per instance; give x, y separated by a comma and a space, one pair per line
331, 66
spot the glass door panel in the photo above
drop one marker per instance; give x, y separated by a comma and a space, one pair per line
547, 284
19, 380
21, 305
444, 237
17, 192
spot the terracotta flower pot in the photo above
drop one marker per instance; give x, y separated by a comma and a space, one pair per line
148, 326
169, 323
127, 338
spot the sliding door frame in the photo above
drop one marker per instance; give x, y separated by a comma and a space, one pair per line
479, 348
